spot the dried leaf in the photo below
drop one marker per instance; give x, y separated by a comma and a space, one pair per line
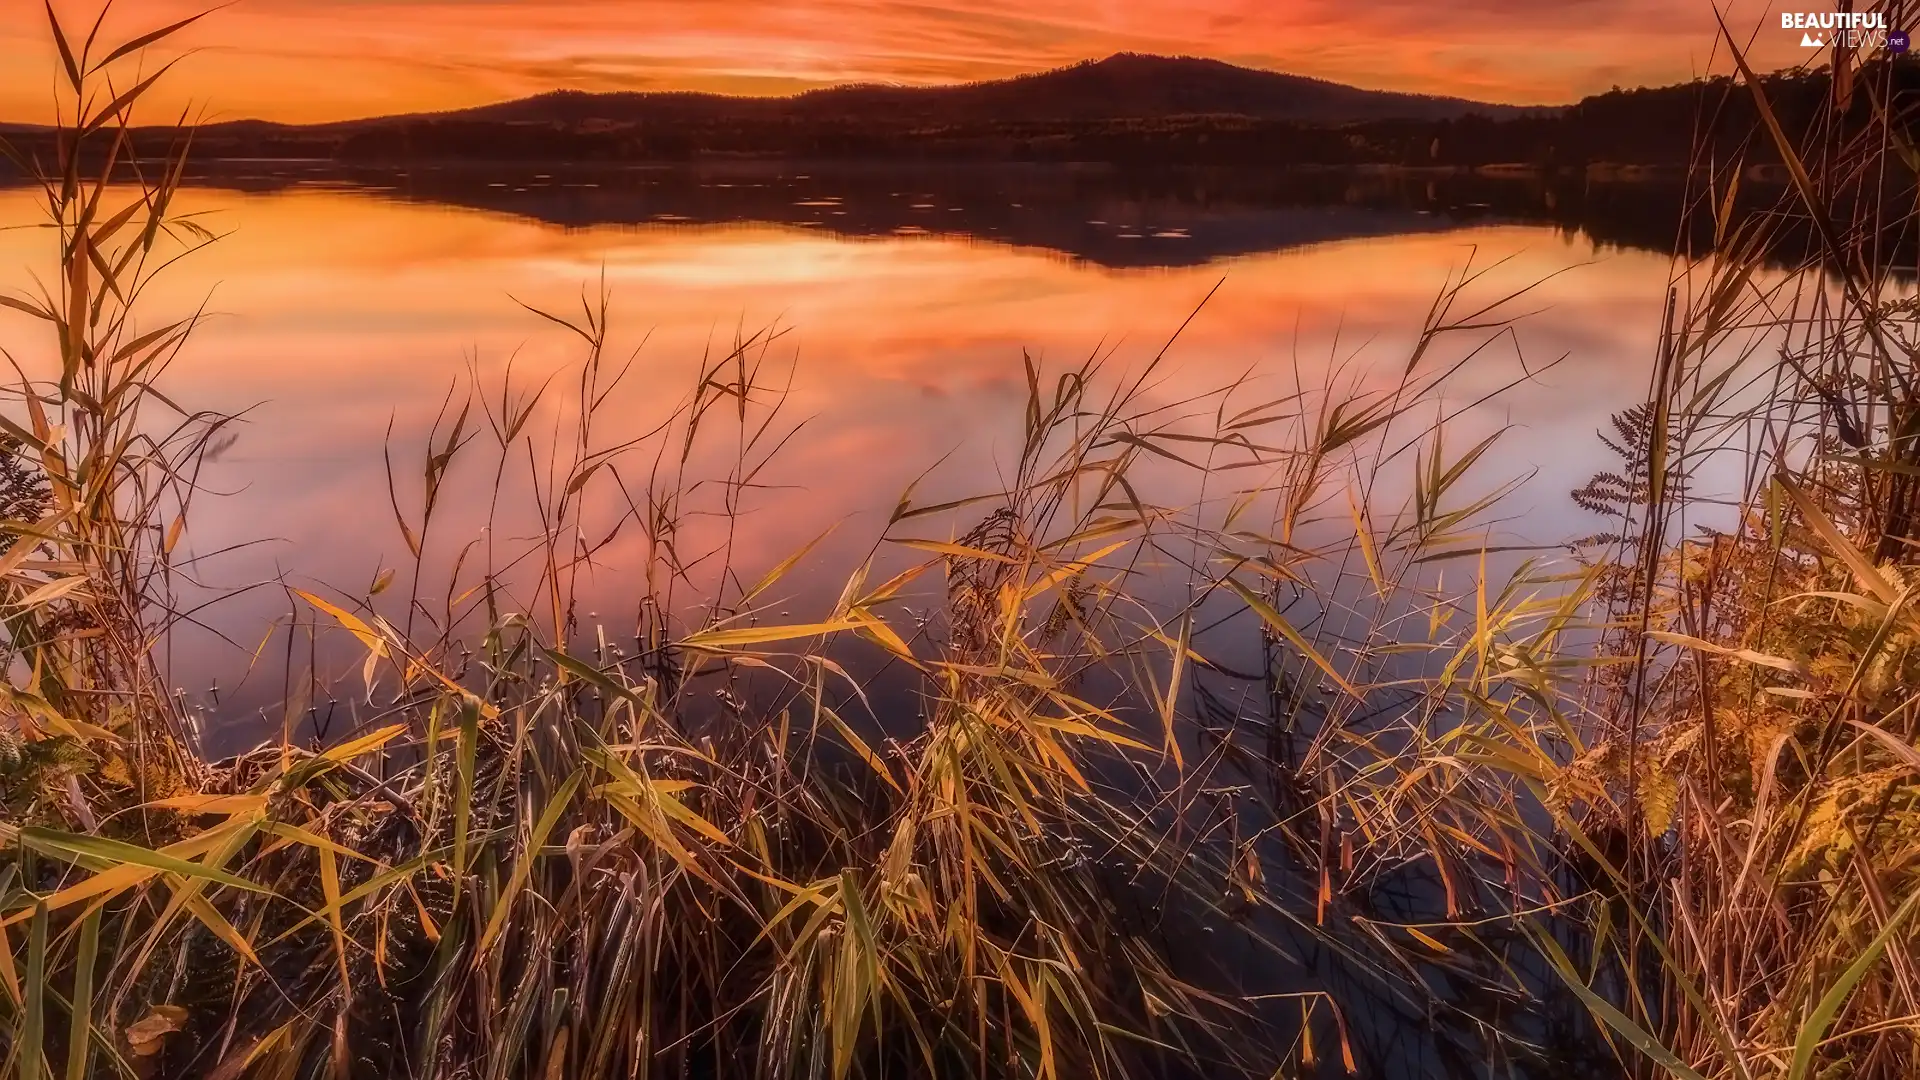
146, 1035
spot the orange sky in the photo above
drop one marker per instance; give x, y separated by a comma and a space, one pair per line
307, 60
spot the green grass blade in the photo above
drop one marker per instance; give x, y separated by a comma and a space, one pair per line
80, 1028
1822, 1017
1640, 1038
33, 1023
76, 848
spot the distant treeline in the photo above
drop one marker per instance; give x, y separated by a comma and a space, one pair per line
1663, 126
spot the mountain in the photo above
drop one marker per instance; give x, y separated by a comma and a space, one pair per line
1126, 86
1127, 110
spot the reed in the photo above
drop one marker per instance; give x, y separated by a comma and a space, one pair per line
1735, 809
1646, 808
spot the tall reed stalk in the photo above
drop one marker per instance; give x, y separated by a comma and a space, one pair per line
1744, 815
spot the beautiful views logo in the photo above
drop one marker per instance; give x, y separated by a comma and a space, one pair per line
1844, 29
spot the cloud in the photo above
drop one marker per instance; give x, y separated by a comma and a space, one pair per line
328, 59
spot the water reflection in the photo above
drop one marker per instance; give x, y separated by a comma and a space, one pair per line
343, 313
1117, 217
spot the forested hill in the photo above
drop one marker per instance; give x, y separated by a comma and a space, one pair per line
1127, 86
1126, 109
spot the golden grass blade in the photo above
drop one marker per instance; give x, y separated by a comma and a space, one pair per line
225, 805
1364, 534
675, 810
549, 817
1863, 569
117, 853
1778, 663
237, 1063
1904, 751
1053, 579
9, 974
330, 892
58, 589
785, 565
592, 675
857, 744
1170, 701
861, 985
716, 640
943, 547
200, 908
290, 833
1285, 629
892, 586
876, 630
354, 624
366, 744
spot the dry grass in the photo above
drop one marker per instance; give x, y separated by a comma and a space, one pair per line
1743, 810
1661, 795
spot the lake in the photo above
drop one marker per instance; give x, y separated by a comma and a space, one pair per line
346, 305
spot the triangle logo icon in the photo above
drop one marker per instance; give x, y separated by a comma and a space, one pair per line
1808, 41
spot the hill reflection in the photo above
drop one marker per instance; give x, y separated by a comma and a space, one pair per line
1119, 218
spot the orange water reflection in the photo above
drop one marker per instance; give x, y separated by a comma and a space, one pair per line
339, 313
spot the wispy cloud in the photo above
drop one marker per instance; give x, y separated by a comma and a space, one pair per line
326, 59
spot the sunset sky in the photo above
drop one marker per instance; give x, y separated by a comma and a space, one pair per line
309, 60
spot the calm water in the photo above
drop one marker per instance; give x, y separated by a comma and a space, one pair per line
348, 304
